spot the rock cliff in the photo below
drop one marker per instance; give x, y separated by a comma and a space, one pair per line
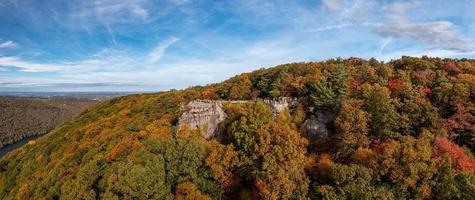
207, 114
280, 104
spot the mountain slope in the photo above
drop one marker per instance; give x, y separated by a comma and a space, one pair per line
23, 117
392, 138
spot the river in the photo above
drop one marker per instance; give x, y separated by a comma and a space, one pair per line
17, 145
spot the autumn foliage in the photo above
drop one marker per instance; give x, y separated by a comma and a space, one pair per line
359, 129
457, 155
395, 84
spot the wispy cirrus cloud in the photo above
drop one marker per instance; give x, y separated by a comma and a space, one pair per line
112, 10
341, 26
15, 62
157, 53
7, 44
64, 84
103, 61
180, 2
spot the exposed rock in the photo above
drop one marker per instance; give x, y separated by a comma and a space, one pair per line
207, 114
316, 125
280, 104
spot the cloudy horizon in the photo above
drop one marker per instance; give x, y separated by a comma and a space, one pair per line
145, 45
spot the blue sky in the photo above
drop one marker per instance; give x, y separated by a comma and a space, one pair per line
145, 45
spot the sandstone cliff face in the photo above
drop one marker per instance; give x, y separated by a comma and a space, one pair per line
280, 104
207, 114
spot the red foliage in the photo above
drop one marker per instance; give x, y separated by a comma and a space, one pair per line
458, 122
426, 90
354, 82
451, 68
425, 75
377, 144
459, 158
62, 175
394, 84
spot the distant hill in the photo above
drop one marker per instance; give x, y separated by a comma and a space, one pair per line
67, 95
24, 117
337, 129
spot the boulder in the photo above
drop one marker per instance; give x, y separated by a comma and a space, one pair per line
316, 125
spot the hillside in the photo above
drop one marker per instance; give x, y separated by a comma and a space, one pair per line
24, 117
397, 130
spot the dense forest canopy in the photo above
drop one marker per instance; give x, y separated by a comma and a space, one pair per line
402, 130
23, 117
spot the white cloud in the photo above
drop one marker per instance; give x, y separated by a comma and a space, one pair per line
27, 66
180, 2
382, 44
113, 8
139, 11
105, 60
349, 10
8, 44
86, 15
439, 33
393, 21
330, 27
213, 55
442, 53
333, 5
341, 26
109, 66
157, 53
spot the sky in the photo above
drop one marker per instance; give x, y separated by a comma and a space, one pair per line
157, 45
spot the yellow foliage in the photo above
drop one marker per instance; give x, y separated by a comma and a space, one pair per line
209, 92
189, 191
324, 164
299, 115
158, 129
124, 112
23, 191
264, 191
311, 162
222, 159
351, 126
366, 157
124, 147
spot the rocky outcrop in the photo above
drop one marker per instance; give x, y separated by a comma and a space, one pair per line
280, 104
316, 125
207, 114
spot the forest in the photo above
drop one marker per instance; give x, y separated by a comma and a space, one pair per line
402, 129
23, 117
